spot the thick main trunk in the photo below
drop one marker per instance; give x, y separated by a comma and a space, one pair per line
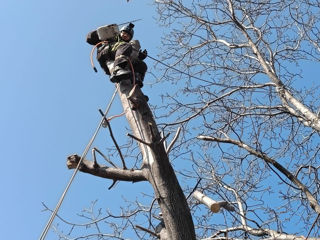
173, 204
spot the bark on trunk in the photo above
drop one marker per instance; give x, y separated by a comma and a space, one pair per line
156, 167
171, 199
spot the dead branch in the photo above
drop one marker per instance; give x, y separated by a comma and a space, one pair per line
138, 139
214, 206
105, 172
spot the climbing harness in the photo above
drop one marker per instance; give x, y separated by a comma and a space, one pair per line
95, 69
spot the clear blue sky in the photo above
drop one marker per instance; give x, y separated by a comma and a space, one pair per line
49, 103
49, 100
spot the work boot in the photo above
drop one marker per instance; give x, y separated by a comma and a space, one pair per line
119, 74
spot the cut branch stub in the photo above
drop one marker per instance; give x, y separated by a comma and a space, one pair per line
214, 206
211, 204
103, 171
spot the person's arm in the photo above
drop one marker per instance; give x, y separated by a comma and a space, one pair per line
143, 54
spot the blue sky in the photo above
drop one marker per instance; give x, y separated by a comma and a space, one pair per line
49, 100
49, 103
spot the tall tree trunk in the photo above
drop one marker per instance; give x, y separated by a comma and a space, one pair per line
155, 168
172, 201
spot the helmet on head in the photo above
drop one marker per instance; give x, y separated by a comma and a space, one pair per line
128, 29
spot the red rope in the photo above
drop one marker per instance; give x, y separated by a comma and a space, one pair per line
91, 54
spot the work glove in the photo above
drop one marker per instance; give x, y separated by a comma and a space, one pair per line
142, 54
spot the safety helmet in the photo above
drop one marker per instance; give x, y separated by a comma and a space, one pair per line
128, 29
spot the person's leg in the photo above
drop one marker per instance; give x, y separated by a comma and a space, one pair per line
121, 69
140, 69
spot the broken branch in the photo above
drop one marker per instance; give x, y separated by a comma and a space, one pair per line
138, 139
214, 206
105, 172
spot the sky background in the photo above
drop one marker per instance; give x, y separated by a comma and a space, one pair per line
49, 101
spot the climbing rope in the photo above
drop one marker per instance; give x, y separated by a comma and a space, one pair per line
133, 73
152, 58
95, 69
84, 154
91, 54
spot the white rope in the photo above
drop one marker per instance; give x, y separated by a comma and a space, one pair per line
84, 154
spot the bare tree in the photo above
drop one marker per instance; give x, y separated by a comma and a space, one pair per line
249, 118
248, 109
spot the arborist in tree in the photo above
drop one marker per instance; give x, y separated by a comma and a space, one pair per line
118, 52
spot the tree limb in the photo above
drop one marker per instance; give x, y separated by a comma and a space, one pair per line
105, 172
313, 202
307, 117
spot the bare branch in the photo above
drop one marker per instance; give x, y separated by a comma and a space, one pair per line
147, 230
114, 140
310, 118
313, 202
138, 139
105, 172
218, 99
94, 150
176, 136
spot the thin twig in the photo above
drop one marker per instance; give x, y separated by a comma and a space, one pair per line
174, 140
113, 183
164, 138
195, 187
138, 139
105, 158
315, 221
147, 230
113, 139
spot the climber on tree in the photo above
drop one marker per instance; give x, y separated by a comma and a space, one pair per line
117, 51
